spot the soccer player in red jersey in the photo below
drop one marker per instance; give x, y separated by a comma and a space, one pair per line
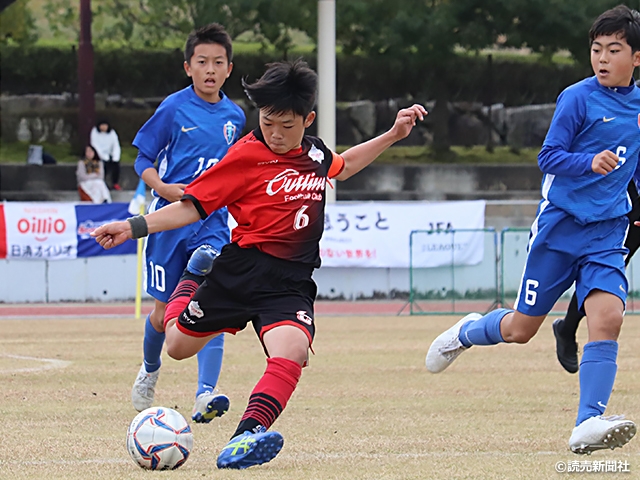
273, 182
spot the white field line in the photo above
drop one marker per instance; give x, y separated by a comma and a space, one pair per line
47, 364
335, 456
91, 461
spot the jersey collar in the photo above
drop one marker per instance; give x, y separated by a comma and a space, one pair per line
204, 103
622, 90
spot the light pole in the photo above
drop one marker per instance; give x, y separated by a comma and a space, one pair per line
327, 79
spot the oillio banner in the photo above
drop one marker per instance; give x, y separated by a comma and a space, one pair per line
36, 231
376, 234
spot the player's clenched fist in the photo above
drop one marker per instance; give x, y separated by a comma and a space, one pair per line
112, 234
604, 162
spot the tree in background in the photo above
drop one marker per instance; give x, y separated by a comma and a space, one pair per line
159, 22
422, 37
422, 33
547, 26
17, 25
432, 30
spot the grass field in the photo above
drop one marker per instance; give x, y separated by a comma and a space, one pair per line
366, 408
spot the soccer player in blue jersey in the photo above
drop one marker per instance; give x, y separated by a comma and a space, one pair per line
588, 158
190, 131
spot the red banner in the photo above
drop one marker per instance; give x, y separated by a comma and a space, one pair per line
3, 234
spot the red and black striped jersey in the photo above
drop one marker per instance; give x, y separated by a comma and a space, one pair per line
277, 200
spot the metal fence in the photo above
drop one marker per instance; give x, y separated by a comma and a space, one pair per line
494, 281
453, 287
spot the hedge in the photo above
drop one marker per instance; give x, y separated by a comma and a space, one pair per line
156, 73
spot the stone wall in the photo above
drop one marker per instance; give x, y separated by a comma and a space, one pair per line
376, 182
53, 118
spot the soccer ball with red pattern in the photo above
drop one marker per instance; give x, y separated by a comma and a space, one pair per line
159, 438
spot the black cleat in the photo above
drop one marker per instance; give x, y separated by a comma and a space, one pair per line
566, 348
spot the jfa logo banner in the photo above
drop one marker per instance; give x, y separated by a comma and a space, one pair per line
377, 234
36, 231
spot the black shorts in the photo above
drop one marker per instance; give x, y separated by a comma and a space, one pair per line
247, 285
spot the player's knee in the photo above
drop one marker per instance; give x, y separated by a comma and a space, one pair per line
606, 324
287, 342
516, 328
298, 355
175, 350
157, 317
519, 336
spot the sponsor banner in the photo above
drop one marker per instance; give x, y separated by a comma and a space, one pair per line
36, 231
90, 217
3, 234
356, 234
377, 234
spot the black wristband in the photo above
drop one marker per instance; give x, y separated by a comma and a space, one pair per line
139, 226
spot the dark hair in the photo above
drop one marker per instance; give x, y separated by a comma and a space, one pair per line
619, 20
212, 33
284, 87
100, 122
95, 152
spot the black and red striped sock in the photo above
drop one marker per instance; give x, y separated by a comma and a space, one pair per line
270, 395
180, 297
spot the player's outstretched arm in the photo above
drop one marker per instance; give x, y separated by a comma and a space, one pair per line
172, 216
359, 156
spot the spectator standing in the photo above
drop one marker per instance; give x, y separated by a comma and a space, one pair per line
106, 142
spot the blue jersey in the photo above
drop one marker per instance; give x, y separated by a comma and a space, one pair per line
187, 135
590, 118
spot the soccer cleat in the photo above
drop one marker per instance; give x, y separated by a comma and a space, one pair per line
598, 433
144, 389
447, 346
566, 348
249, 449
208, 406
201, 260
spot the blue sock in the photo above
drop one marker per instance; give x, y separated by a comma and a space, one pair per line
210, 364
597, 373
152, 346
485, 330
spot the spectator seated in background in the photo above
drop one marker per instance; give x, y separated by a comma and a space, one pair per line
90, 175
105, 140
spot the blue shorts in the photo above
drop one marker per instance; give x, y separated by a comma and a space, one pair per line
562, 251
166, 253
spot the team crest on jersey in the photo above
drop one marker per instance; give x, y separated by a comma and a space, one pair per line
316, 155
229, 132
303, 317
195, 310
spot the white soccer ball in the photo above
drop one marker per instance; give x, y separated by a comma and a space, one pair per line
159, 438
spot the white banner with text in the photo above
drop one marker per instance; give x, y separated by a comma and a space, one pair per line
40, 230
376, 234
